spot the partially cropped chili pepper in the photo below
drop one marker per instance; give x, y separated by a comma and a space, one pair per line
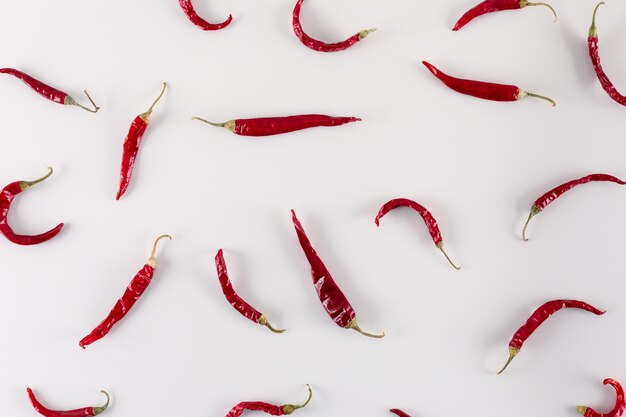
48, 92
319, 45
81, 412
491, 6
132, 143
484, 90
399, 413
6, 198
537, 318
234, 299
334, 301
187, 7
543, 201
431, 222
275, 410
135, 290
618, 409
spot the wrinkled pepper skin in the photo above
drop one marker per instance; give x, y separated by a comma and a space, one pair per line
129, 153
271, 409
80, 412
191, 14
233, 298
618, 409
431, 222
488, 6
278, 125
42, 89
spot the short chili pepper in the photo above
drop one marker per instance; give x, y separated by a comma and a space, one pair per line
334, 301
537, 318
7, 196
431, 222
187, 7
234, 299
399, 413
275, 410
618, 409
543, 201
484, 90
320, 46
48, 92
491, 6
135, 290
132, 143
81, 412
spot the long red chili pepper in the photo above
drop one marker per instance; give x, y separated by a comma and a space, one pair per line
234, 299
334, 301
135, 290
618, 409
543, 201
81, 412
187, 7
48, 92
399, 413
431, 222
537, 318
132, 143
321, 46
275, 410
7, 195
484, 90
491, 6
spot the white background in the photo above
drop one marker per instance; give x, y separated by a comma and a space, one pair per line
477, 165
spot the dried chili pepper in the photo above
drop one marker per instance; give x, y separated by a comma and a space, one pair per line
543, 201
132, 143
399, 413
484, 90
334, 301
6, 198
187, 7
321, 46
537, 318
491, 6
275, 410
135, 290
48, 92
431, 222
618, 409
81, 412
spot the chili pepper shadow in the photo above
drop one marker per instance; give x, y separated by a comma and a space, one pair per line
576, 42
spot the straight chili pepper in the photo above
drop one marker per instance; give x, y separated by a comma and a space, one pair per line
135, 290
537, 318
491, 6
618, 409
543, 201
275, 410
132, 143
187, 7
81, 412
399, 413
48, 92
7, 195
484, 90
334, 301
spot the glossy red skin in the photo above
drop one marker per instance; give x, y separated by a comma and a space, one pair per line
238, 410
399, 413
81, 412
233, 298
608, 86
431, 222
267, 126
44, 90
187, 7
129, 153
488, 6
334, 301
134, 291
543, 201
620, 402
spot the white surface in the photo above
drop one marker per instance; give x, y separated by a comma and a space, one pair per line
477, 165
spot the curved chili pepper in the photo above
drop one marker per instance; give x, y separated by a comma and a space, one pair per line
537, 318
491, 6
334, 301
316, 45
275, 410
484, 90
234, 299
620, 402
48, 92
187, 7
543, 201
132, 143
7, 195
431, 222
399, 413
81, 412
135, 290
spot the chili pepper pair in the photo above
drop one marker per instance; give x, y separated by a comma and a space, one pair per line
491, 6
80, 412
275, 410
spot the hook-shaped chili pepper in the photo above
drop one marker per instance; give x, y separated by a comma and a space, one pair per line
618, 409
81, 412
187, 7
491, 6
275, 410
7, 195
399, 413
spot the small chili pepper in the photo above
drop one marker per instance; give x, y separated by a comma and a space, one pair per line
334, 301
6, 198
187, 7
399, 413
135, 290
431, 222
320, 46
537, 318
234, 299
620, 402
81, 412
484, 90
275, 410
543, 201
491, 6
132, 143
48, 92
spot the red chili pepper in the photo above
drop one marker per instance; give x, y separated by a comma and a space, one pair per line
6, 198
491, 6
480, 89
81, 412
132, 143
543, 201
268, 126
431, 222
187, 7
135, 290
620, 402
399, 413
275, 410
321, 46
48, 92
234, 299
334, 301
537, 318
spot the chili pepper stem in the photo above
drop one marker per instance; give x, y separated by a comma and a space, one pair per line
440, 246
593, 30
290, 408
229, 125
71, 102
264, 322
523, 94
525, 3
146, 116
98, 410
152, 259
533, 212
582, 409
25, 185
365, 33
354, 326
512, 354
